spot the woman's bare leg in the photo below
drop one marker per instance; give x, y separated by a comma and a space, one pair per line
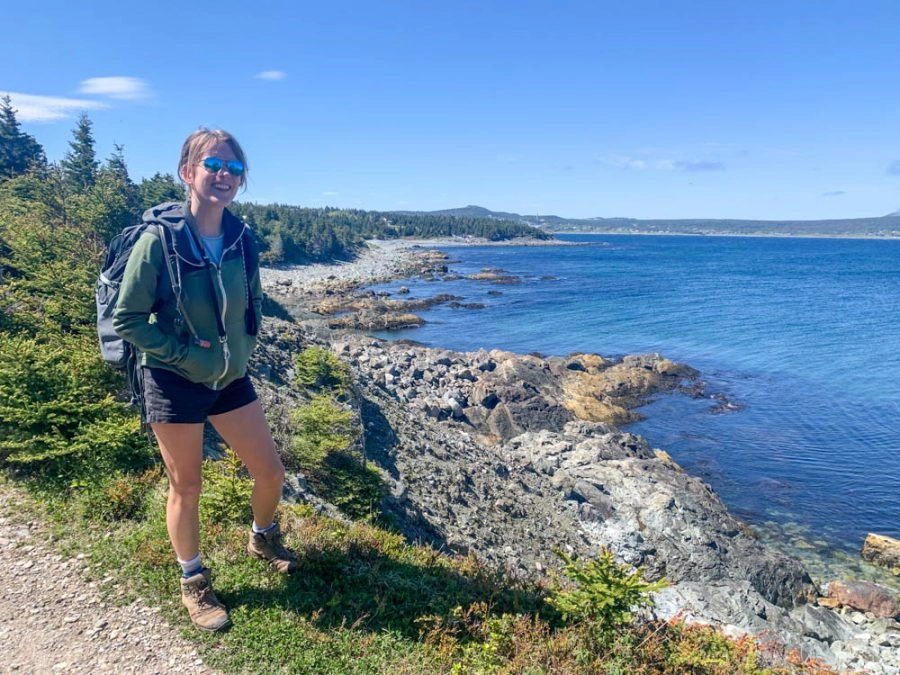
181, 446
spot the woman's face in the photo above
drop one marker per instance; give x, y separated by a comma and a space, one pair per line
212, 189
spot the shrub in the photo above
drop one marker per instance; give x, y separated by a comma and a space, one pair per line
318, 369
605, 592
56, 415
323, 426
320, 448
226, 490
119, 496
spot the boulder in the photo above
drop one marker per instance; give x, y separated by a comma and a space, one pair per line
881, 550
865, 597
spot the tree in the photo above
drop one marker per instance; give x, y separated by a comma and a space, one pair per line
80, 163
116, 164
19, 151
158, 189
116, 169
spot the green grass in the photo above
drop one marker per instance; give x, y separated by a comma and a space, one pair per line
365, 601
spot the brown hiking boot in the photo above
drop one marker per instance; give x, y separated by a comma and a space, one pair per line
267, 546
207, 613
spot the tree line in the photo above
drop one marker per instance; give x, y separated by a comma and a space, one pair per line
102, 196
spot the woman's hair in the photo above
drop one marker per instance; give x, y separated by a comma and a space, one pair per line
198, 142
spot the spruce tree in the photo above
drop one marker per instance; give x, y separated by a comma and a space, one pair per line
80, 163
19, 152
116, 168
161, 187
116, 164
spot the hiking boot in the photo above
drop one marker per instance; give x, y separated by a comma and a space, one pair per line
207, 613
267, 546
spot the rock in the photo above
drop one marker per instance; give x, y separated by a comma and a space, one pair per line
865, 597
881, 550
486, 454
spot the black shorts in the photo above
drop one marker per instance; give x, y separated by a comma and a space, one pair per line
168, 397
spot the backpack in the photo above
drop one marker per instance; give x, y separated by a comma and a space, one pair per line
115, 350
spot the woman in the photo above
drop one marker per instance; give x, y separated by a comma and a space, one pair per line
195, 343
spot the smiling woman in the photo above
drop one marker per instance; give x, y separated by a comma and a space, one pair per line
189, 376
212, 189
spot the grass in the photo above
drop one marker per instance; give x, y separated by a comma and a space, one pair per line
366, 601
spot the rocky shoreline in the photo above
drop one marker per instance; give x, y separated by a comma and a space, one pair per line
509, 456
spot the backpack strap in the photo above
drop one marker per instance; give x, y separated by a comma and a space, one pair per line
175, 280
247, 251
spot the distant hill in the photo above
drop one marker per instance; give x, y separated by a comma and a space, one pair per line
882, 226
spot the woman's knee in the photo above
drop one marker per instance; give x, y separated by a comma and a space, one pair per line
273, 474
186, 488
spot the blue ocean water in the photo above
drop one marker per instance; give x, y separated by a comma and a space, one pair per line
803, 335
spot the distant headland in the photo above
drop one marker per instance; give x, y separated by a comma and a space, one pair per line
879, 226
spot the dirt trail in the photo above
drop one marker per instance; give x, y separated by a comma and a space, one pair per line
54, 619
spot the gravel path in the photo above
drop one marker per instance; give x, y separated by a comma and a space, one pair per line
54, 619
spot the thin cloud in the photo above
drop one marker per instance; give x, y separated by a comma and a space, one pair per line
660, 164
702, 165
123, 88
834, 193
34, 108
632, 163
272, 75
894, 168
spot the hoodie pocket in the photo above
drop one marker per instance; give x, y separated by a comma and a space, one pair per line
202, 364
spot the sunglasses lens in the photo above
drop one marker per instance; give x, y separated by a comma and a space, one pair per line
235, 168
212, 164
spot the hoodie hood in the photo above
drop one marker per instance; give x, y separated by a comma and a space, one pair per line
176, 216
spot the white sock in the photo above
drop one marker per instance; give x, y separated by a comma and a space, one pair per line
262, 530
190, 567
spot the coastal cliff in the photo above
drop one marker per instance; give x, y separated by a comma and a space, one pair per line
511, 456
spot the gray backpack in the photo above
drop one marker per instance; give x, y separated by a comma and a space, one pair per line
114, 349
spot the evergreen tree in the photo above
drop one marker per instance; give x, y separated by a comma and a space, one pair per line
116, 164
117, 170
158, 189
80, 164
19, 151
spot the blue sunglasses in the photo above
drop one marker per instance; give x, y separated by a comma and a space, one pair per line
215, 164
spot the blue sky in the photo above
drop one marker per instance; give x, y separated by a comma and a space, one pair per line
647, 109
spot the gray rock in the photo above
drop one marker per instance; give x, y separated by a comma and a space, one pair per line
498, 466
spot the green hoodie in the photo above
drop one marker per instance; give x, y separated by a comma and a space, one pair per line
151, 321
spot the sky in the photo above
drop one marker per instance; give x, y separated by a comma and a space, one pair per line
785, 109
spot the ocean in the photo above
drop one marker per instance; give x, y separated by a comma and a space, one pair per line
800, 336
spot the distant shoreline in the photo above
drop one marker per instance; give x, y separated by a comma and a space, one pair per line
384, 260
381, 260
759, 235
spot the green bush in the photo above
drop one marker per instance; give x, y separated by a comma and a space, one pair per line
319, 369
321, 449
323, 426
117, 496
227, 488
57, 417
605, 592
